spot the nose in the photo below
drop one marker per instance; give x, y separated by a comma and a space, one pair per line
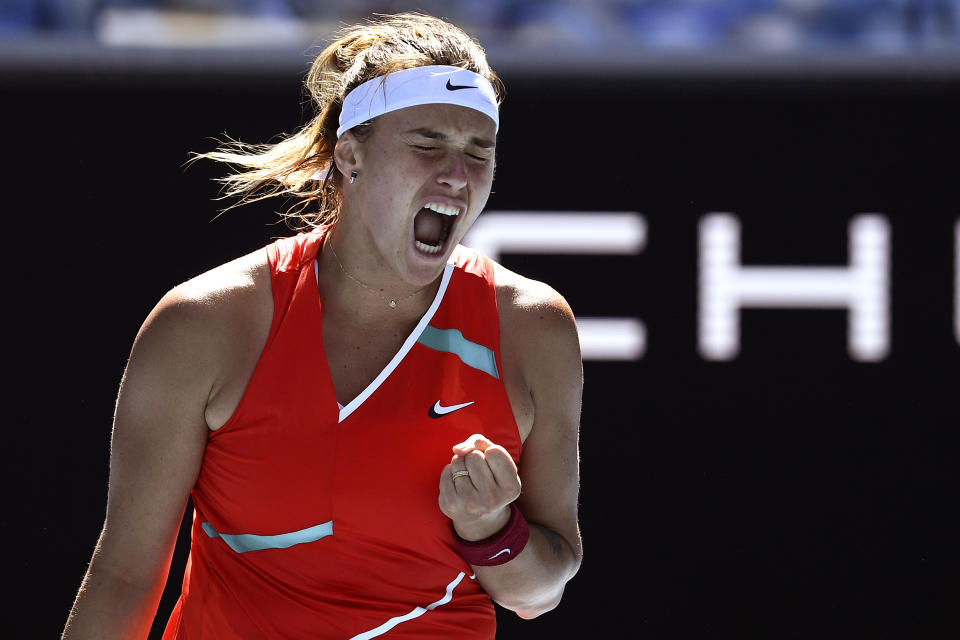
453, 173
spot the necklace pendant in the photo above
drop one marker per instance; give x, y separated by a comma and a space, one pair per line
393, 304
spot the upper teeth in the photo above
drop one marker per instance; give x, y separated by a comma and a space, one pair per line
445, 209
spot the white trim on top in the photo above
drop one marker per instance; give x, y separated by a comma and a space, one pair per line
411, 340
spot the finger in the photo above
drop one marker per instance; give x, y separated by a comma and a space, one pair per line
465, 489
458, 467
457, 481
480, 474
459, 474
462, 448
448, 499
502, 466
461, 479
476, 441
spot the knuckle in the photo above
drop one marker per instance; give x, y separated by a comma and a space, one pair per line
497, 452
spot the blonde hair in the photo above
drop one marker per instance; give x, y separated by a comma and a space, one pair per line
382, 45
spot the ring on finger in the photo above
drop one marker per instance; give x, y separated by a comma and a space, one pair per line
460, 473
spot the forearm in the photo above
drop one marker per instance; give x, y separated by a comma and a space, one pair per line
109, 605
533, 582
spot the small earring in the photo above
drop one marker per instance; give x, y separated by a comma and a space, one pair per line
353, 177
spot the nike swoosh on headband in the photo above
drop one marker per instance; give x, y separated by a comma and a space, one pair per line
499, 553
457, 87
438, 410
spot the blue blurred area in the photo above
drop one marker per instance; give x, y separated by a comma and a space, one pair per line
685, 25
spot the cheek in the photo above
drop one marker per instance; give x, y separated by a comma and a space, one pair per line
387, 188
482, 174
482, 183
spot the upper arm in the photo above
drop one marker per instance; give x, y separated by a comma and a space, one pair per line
541, 328
159, 436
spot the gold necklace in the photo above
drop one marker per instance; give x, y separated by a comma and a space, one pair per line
391, 302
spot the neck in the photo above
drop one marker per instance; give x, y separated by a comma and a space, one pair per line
367, 293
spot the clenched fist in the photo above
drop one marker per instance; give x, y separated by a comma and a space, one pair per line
477, 487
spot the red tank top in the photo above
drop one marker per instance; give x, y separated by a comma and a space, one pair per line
312, 521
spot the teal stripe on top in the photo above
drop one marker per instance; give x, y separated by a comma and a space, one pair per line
243, 542
452, 341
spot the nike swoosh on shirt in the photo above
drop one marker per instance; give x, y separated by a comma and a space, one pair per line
499, 553
457, 87
438, 410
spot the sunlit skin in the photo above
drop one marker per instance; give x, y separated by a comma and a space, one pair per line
428, 153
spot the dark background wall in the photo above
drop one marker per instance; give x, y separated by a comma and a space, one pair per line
791, 492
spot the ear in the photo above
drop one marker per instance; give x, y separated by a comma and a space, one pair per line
348, 154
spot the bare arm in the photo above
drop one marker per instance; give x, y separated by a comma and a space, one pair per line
159, 435
547, 482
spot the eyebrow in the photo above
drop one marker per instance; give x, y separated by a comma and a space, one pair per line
484, 143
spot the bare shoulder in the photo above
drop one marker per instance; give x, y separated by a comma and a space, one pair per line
534, 313
208, 305
223, 287
209, 325
188, 348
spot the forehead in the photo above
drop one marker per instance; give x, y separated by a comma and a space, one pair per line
449, 120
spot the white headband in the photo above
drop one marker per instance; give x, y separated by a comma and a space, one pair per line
419, 85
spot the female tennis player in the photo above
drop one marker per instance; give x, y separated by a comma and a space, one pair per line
377, 425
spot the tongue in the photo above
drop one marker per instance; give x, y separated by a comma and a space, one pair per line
427, 226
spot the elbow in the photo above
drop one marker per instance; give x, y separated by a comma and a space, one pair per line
533, 612
533, 598
529, 608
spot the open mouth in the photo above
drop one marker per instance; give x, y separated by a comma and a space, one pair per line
432, 225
